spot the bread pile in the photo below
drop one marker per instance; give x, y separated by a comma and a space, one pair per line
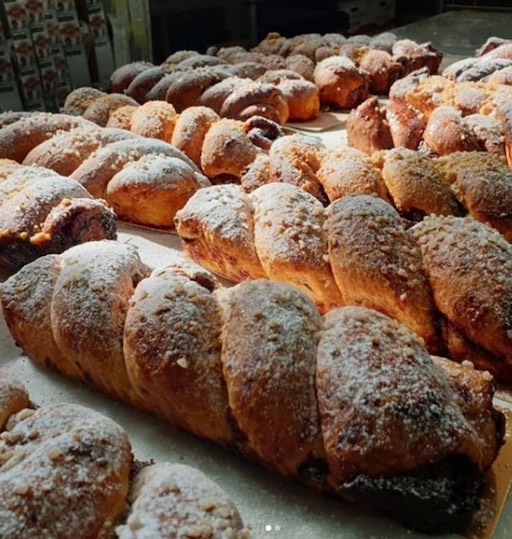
68, 471
350, 403
145, 180
466, 109
358, 251
202, 80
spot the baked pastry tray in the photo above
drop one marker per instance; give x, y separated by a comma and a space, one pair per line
274, 507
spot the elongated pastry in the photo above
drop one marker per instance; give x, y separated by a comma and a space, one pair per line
350, 403
374, 259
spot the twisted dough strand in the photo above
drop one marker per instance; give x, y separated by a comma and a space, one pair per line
330, 400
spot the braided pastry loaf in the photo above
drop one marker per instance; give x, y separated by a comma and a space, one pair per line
350, 403
67, 471
358, 252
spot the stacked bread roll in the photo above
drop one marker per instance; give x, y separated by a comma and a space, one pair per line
350, 403
438, 115
67, 471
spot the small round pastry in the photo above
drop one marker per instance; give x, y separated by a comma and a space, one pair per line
159, 90
382, 70
78, 100
417, 55
214, 96
340, 83
202, 60
190, 130
302, 65
368, 128
405, 125
446, 132
247, 70
186, 91
179, 56
501, 76
302, 97
227, 150
253, 99
144, 81
154, 119
99, 110
123, 76
121, 118
151, 190
350, 172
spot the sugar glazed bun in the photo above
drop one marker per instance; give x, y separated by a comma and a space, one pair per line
67, 471
348, 397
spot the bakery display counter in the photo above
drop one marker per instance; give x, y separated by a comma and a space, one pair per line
273, 506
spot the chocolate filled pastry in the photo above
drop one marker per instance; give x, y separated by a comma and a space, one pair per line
350, 403
42, 212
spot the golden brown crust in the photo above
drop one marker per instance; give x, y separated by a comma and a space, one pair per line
151, 190
217, 229
269, 343
65, 471
302, 98
121, 118
382, 70
155, 119
95, 173
78, 100
363, 429
483, 184
85, 308
417, 185
178, 373
376, 263
13, 397
367, 128
446, 132
100, 109
144, 81
18, 138
190, 130
65, 152
291, 241
350, 172
174, 498
123, 76
405, 125
340, 83
227, 150
469, 265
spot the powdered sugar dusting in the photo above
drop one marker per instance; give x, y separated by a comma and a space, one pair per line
64, 473
174, 498
378, 416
